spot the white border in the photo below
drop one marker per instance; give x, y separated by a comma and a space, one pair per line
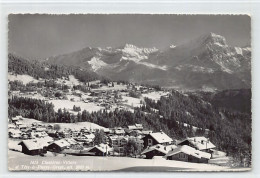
148, 7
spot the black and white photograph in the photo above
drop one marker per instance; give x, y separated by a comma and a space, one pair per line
129, 92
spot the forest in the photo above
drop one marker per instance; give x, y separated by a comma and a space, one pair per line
44, 70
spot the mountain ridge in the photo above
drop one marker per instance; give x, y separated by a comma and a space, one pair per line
206, 58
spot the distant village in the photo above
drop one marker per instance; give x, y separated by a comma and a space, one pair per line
38, 139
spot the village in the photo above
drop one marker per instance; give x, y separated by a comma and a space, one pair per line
134, 141
32, 137
91, 96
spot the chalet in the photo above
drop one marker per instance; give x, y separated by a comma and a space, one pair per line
134, 133
71, 141
89, 137
40, 129
15, 119
38, 134
11, 126
188, 154
157, 150
58, 146
22, 127
52, 133
199, 143
14, 133
101, 150
118, 143
157, 138
33, 147
119, 131
139, 127
132, 127
50, 126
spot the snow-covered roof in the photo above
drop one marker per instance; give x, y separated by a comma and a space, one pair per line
11, 126
33, 144
90, 136
189, 151
146, 132
14, 131
22, 126
132, 127
119, 131
71, 141
201, 143
62, 143
139, 125
161, 137
160, 148
102, 147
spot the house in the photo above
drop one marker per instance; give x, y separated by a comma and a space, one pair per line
11, 126
58, 146
131, 127
33, 147
139, 126
89, 137
157, 150
119, 131
118, 143
101, 150
52, 133
14, 133
134, 133
157, 138
199, 143
15, 119
188, 154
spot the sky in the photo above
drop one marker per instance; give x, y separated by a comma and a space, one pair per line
35, 36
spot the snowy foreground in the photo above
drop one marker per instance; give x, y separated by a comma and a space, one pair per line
19, 161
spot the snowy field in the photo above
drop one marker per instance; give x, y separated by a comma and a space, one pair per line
132, 102
72, 81
95, 163
61, 104
116, 87
73, 126
155, 95
23, 78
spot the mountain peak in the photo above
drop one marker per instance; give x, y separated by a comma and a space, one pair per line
214, 38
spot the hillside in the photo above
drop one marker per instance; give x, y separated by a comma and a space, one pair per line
43, 70
236, 100
204, 63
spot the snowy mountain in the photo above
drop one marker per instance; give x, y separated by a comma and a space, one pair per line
204, 63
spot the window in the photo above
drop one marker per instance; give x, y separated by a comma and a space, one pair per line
150, 141
182, 155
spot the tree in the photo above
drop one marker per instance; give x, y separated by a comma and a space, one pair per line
56, 127
131, 147
99, 137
